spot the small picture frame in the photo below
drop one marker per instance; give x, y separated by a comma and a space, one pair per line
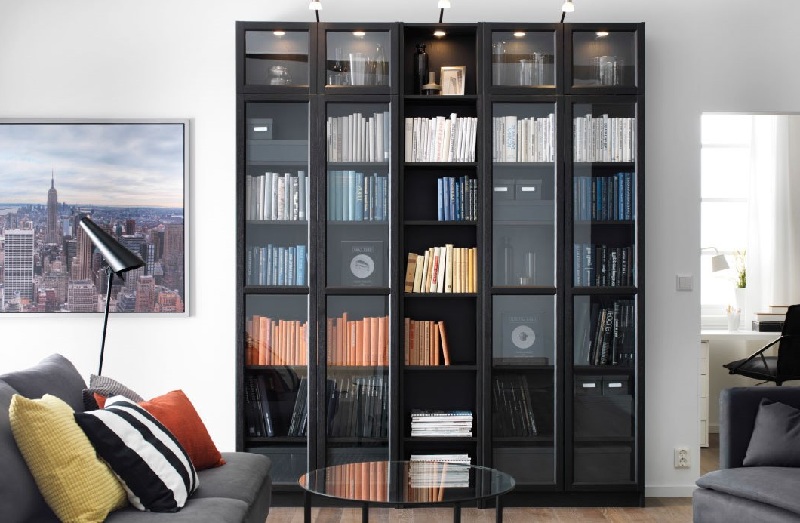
453, 79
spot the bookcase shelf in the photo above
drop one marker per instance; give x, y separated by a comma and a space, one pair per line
555, 93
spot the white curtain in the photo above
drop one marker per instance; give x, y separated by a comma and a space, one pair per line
773, 257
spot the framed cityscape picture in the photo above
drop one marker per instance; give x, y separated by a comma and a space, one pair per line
128, 176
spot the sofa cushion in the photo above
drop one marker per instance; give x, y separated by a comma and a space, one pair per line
105, 387
771, 485
242, 477
20, 500
157, 472
53, 375
710, 506
207, 510
74, 482
776, 436
176, 412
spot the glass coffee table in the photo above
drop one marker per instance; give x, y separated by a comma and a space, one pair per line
406, 484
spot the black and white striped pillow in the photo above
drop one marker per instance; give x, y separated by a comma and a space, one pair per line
153, 467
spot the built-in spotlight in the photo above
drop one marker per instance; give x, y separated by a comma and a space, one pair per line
568, 6
601, 34
279, 33
519, 34
443, 4
439, 33
315, 5
359, 34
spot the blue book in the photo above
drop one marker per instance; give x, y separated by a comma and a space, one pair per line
379, 207
281, 260
578, 257
359, 197
290, 266
451, 191
301, 265
264, 254
439, 208
457, 199
629, 201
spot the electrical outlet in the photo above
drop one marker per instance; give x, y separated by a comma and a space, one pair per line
682, 460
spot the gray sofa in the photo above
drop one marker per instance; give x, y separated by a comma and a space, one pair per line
748, 493
238, 492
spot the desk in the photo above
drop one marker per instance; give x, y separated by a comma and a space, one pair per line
718, 347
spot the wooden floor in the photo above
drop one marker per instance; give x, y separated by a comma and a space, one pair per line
656, 510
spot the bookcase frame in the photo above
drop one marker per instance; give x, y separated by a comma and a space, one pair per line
470, 376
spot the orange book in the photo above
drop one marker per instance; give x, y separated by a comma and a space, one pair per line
375, 348
412, 342
364, 470
406, 343
358, 354
249, 342
353, 339
435, 347
445, 348
373, 480
380, 343
263, 340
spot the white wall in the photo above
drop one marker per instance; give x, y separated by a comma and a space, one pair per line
151, 58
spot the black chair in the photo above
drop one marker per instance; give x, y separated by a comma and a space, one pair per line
783, 367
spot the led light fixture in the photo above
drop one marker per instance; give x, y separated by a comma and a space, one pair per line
568, 6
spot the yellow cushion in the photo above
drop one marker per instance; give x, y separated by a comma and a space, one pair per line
75, 483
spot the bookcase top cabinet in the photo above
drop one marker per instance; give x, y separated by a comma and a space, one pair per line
476, 251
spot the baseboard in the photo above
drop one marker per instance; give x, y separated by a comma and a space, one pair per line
676, 491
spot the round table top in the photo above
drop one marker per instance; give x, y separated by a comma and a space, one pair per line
407, 482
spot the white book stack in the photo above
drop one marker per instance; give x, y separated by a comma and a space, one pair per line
440, 139
604, 139
439, 470
358, 138
439, 423
523, 139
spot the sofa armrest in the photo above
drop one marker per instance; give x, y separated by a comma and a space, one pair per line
738, 407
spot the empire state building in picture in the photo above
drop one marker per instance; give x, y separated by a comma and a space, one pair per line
53, 230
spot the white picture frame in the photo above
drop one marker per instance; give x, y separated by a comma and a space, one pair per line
453, 79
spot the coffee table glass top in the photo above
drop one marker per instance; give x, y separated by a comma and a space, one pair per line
407, 482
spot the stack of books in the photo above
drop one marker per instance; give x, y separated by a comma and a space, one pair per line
771, 321
441, 423
439, 471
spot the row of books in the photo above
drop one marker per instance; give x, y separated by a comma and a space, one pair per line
258, 418
457, 198
604, 197
445, 269
604, 139
262, 417
356, 138
272, 196
524, 139
358, 407
603, 266
276, 342
609, 335
512, 415
276, 265
430, 474
355, 196
423, 342
440, 139
441, 423
368, 481
363, 342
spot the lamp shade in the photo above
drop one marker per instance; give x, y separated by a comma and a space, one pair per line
719, 263
119, 258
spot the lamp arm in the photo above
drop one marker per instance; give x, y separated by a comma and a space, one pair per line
105, 318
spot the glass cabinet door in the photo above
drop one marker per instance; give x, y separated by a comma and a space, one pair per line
524, 58
604, 58
356, 57
277, 58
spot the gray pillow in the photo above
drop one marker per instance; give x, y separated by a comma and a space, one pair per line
53, 375
107, 387
775, 441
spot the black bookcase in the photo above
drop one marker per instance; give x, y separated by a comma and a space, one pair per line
537, 200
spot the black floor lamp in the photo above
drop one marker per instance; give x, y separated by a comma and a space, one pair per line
120, 260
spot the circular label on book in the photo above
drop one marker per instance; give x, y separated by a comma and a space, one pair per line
362, 266
523, 337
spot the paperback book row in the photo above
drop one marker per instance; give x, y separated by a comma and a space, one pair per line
441, 423
356, 138
523, 139
609, 335
604, 139
440, 139
603, 266
260, 400
604, 197
512, 413
272, 196
366, 481
363, 342
358, 407
446, 269
354, 196
276, 265
457, 198
276, 342
430, 474
424, 340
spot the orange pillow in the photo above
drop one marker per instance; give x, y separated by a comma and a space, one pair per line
177, 414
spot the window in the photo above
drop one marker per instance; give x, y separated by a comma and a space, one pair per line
726, 151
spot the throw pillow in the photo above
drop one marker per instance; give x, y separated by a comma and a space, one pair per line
775, 441
178, 415
105, 387
154, 468
75, 483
